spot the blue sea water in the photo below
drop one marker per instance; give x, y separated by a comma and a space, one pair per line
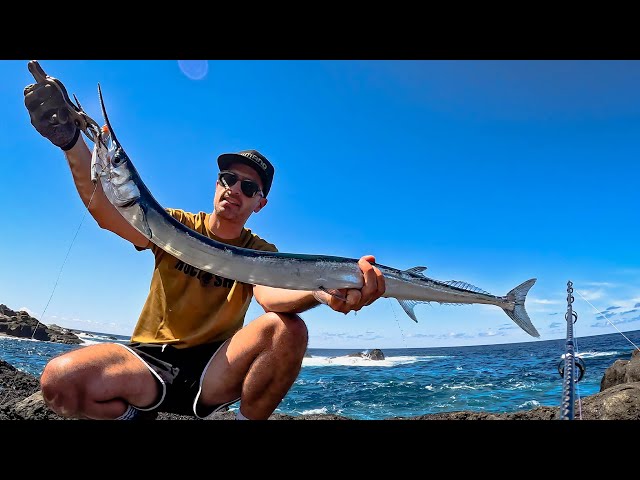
411, 381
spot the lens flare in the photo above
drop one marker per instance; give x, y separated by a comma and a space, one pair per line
194, 69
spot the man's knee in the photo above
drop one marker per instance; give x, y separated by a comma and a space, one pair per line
58, 391
287, 327
292, 323
54, 374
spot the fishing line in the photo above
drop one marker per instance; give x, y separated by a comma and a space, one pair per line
398, 322
577, 384
56, 282
605, 317
65, 259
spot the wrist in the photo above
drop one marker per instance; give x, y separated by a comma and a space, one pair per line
321, 297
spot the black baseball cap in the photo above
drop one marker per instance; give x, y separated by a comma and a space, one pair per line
254, 159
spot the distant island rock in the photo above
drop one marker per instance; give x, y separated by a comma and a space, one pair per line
21, 324
375, 354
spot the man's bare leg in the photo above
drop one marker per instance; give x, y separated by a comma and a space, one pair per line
259, 364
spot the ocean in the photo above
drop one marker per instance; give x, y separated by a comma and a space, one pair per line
410, 381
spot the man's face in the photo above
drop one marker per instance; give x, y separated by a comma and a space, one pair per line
231, 203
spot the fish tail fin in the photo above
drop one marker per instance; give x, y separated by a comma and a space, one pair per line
517, 312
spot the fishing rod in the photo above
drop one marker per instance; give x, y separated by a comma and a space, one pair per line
569, 363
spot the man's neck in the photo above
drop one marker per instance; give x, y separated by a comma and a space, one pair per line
223, 228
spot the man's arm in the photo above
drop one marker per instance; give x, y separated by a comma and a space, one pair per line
297, 301
101, 209
49, 113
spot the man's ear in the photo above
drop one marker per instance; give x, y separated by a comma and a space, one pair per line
263, 201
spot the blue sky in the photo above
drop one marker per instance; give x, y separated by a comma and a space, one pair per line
488, 172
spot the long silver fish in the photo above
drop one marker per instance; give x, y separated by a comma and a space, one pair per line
124, 188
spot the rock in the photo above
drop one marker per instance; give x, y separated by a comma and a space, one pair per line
375, 354
21, 324
621, 402
34, 408
614, 375
15, 386
622, 371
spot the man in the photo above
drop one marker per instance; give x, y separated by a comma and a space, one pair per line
189, 352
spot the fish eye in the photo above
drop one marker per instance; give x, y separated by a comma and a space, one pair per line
118, 158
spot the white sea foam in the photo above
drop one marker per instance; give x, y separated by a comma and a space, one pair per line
464, 386
20, 339
345, 360
92, 338
519, 385
592, 354
315, 411
86, 339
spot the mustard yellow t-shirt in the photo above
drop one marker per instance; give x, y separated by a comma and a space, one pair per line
187, 306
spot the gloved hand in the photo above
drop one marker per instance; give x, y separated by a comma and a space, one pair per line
49, 112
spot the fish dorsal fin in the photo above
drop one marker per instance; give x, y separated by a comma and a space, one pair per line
466, 286
407, 306
417, 270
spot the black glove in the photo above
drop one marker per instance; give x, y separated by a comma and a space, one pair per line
49, 112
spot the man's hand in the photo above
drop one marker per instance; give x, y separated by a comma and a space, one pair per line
354, 298
49, 112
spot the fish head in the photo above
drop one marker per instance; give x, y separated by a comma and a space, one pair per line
111, 165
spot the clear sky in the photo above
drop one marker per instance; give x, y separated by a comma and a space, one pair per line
487, 172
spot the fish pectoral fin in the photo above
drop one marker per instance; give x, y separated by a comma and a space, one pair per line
407, 306
334, 293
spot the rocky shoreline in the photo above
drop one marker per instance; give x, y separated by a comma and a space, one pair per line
20, 397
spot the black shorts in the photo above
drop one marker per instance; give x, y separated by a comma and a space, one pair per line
179, 372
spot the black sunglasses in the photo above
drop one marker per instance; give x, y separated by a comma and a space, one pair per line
249, 187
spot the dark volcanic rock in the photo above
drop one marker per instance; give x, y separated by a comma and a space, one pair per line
375, 354
21, 324
614, 375
622, 371
15, 384
18, 393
